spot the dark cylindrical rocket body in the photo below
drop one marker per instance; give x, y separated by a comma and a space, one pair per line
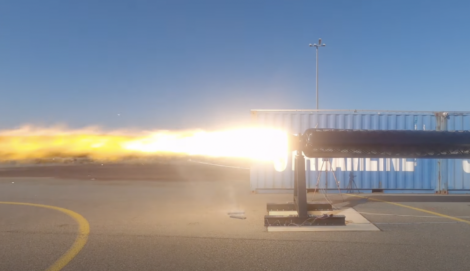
329, 143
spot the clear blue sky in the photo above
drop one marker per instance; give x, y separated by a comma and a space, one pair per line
204, 64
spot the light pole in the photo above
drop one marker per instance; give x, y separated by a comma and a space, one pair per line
316, 46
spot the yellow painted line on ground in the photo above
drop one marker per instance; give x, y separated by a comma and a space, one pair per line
414, 208
80, 240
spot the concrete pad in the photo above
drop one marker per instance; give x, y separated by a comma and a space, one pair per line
348, 227
354, 222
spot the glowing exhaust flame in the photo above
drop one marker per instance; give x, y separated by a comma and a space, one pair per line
33, 143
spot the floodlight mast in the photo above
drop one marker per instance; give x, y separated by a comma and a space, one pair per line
316, 46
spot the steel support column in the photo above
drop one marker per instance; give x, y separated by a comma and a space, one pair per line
300, 185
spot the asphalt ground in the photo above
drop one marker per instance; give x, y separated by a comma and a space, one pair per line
183, 225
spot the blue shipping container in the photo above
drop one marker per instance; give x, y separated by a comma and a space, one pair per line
389, 175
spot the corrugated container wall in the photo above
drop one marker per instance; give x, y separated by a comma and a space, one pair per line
389, 175
456, 172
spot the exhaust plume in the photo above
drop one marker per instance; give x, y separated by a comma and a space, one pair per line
29, 142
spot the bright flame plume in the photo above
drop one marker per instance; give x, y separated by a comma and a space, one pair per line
29, 143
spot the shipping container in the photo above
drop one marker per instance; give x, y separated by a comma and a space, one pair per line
456, 172
364, 174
